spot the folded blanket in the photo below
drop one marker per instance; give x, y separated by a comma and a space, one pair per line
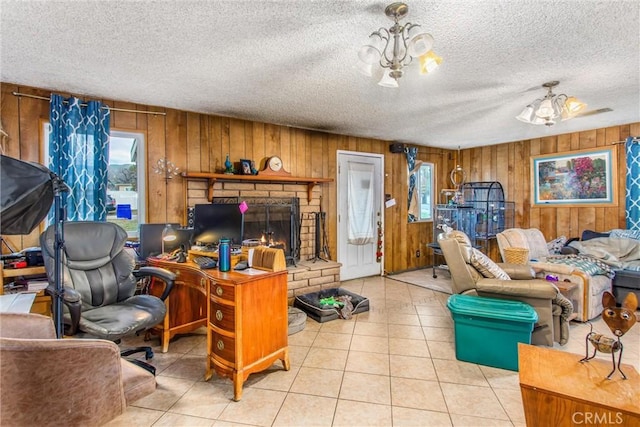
625, 234
589, 265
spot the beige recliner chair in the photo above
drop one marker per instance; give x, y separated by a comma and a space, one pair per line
552, 308
588, 304
62, 382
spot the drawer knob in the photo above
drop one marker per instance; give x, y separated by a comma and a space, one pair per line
219, 291
220, 345
203, 281
219, 315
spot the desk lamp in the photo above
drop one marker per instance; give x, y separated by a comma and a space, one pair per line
168, 235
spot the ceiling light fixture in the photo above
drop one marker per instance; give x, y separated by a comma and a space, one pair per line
394, 48
545, 111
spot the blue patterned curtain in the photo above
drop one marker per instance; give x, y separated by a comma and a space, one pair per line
79, 154
411, 164
632, 150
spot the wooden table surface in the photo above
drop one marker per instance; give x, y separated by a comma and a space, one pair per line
572, 387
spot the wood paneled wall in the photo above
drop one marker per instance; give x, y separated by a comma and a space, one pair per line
510, 164
200, 142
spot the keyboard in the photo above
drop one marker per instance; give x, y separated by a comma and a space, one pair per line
205, 262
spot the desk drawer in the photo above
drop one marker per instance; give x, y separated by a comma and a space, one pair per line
222, 315
192, 278
223, 291
223, 347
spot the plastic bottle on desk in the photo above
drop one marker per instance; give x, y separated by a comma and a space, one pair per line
224, 255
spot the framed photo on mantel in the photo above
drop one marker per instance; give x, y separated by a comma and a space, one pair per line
576, 178
246, 167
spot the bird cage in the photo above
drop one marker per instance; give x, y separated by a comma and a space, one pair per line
494, 213
458, 217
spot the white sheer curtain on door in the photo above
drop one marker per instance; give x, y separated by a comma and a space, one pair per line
361, 229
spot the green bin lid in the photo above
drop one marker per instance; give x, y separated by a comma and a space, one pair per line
491, 308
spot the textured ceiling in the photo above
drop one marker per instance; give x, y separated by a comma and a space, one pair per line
293, 62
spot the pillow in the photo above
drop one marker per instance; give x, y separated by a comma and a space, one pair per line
486, 267
555, 246
590, 234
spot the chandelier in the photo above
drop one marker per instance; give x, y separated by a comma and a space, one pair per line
390, 50
545, 111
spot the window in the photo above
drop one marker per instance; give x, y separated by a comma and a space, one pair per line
127, 179
425, 189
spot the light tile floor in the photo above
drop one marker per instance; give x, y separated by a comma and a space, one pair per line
392, 366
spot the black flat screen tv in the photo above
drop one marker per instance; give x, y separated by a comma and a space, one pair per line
212, 222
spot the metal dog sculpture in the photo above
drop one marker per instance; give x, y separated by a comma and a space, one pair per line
619, 320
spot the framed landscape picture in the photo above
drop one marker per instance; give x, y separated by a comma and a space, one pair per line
579, 178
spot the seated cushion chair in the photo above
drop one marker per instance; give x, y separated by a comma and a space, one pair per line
591, 286
99, 282
552, 308
62, 382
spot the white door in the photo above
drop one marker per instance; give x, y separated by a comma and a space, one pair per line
359, 211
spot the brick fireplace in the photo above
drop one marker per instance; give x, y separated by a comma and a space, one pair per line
306, 276
274, 221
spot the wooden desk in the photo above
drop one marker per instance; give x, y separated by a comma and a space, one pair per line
558, 390
187, 302
245, 313
42, 303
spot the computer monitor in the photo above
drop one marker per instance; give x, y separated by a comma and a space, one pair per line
212, 222
151, 239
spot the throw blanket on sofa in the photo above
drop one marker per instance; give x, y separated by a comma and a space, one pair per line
585, 263
619, 253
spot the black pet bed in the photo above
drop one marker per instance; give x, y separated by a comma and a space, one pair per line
310, 304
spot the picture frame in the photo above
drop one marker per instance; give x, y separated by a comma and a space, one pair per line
246, 167
576, 178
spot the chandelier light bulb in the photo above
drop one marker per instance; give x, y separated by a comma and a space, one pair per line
573, 107
420, 44
429, 62
388, 81
545, 110
369, 54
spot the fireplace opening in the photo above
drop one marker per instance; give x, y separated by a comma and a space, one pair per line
274, 221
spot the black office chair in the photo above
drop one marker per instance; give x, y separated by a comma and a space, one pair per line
100, 284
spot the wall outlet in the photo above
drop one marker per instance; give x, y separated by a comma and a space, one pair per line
418, 253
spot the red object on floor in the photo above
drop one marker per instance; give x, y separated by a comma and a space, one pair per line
19, 264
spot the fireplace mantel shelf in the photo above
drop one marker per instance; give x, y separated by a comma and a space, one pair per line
213, 177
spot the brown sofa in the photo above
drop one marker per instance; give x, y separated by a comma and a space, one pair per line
70, 382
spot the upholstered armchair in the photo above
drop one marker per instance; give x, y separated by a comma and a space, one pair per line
473, 273
591, 285
62, 382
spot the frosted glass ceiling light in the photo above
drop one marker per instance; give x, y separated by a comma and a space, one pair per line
545, 111
573, 107
429, 62
388, 81
393, 49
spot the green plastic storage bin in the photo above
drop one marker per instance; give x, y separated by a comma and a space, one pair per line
488, 330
